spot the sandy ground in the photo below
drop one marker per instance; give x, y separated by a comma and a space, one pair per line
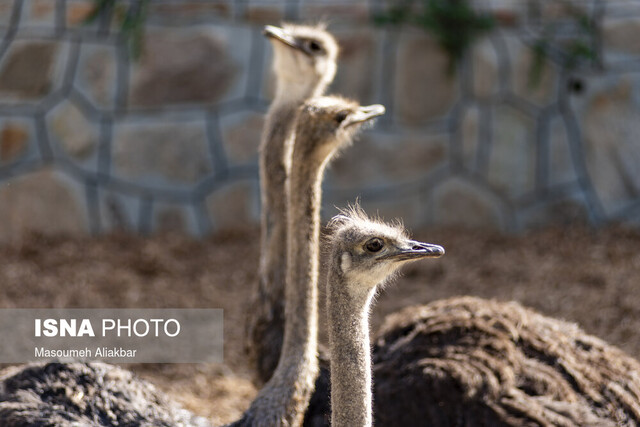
587, 276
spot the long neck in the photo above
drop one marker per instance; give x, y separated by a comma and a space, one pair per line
303, 235
275, 159
265, 318
265, 321
275, 149
350, 353
296, 89
293, 380
299, 351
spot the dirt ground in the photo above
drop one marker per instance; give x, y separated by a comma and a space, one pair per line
587, 276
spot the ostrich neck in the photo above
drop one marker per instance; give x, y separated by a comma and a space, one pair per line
276, 142
294, 90
297, 368
275, 160
350, 353
265, 319
304, 189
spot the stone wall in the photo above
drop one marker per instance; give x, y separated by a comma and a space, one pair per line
92, 139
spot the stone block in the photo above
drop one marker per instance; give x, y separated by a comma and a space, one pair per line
457, 202
14, 141
539, 90
78, 12
182, 66
186, 10
43, 201
5, 11
425, 89
161, 151
513, 152
350, 12
190, 10
384, 159
242, 133
553, 11
621, 35
234, 206
356, 73
41, 12
77, 136
26, 72
264, 14
611, 128
97, 74
485, 69
507, 17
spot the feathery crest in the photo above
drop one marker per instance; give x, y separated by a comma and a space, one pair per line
354, 216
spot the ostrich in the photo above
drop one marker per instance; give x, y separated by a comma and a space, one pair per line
363, 254
304, 65
470, 362
325, 124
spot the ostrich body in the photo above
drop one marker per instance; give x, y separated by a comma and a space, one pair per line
325, 124
472, 362
304, 64
85, 394
363, 254
475, 362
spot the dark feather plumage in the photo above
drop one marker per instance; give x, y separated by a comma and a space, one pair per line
75, 394
472, 362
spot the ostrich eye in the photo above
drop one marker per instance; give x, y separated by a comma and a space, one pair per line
341, 116
374, 245
314, 46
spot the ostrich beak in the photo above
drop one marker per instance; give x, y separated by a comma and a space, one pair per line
282, 36
364, 113
415, 251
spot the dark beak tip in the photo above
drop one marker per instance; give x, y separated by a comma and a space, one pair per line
283, 36
438, 251
432, 251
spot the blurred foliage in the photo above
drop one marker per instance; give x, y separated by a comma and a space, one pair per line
573, 50
130, 16
453, 23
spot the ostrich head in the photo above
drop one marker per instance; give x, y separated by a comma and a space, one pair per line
304, 59
328, 123
368, 251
